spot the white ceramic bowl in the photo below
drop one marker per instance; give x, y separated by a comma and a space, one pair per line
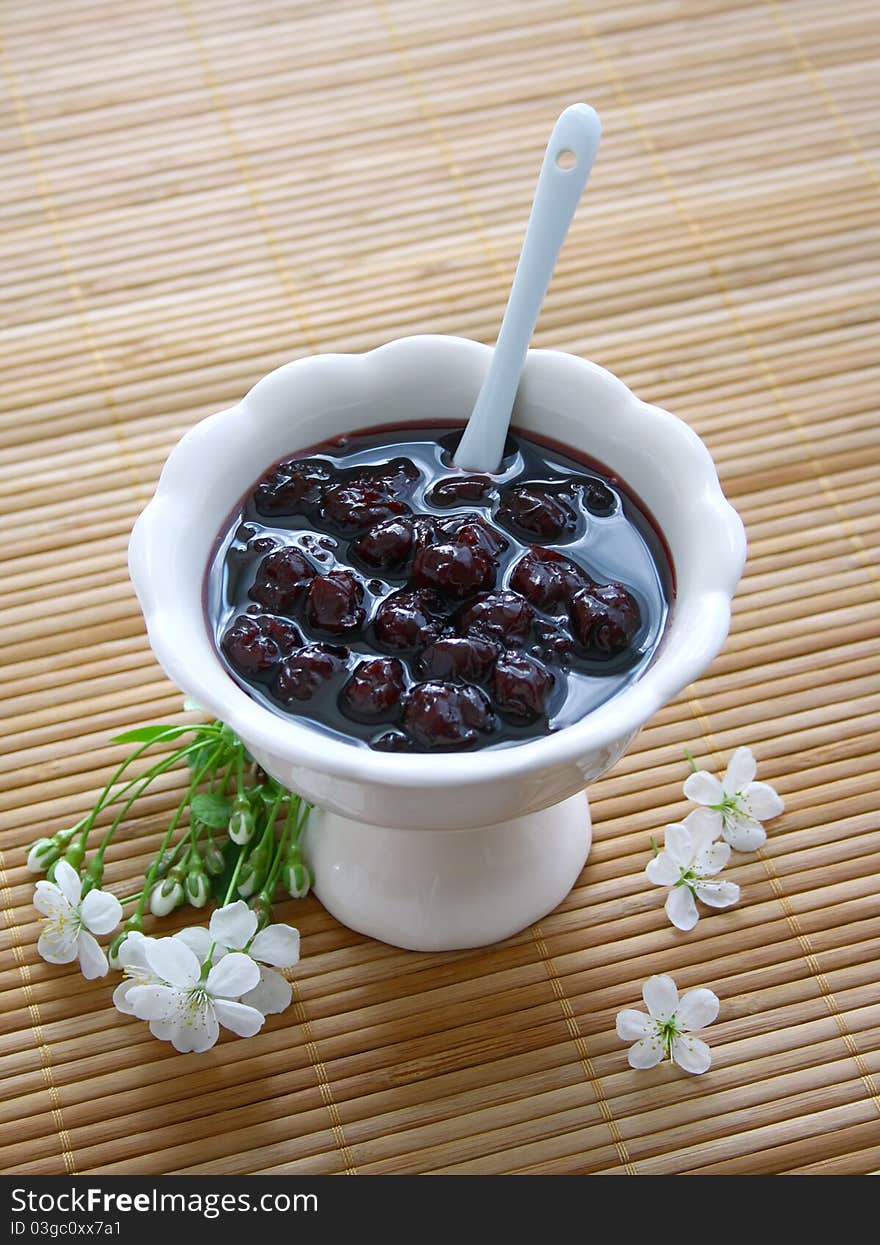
452, 850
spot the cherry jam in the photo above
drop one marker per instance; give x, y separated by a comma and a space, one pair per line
370, 588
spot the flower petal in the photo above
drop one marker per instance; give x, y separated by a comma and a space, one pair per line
58, 946
92, 959
272, 994
68, 882
277, 945
241, 1019
691, 1054
233, 976
120, 997
49, 900
697, 1009
661, 997
703, 788
741, 770
744, 835
645, 1054
172, 961
100, 912
132, 952
632, 1025
662, 870
705, 825
762, 802
711, 859
717, 894
153, 1002
234, 926
197, 939
188, 1031
679, 845
681, 909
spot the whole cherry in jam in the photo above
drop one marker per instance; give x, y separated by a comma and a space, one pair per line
604, 617
538, 511
547, 579
283, 579
468, 659
307, 672
375, 691
447, 715
457, 569
503, 615
521, 686
334, 603
409, 621
256, 645
386, 545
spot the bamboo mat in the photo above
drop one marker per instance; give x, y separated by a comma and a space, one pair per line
193, 193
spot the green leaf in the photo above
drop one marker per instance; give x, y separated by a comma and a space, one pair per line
197, 758
211, 809
146, 734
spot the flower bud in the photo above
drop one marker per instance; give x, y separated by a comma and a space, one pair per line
296, 878
166, 896
214, 862
42, 855
75, 855
261, 905
241, 823
93, 876
164, 864
113, 950
197, 888
253, 873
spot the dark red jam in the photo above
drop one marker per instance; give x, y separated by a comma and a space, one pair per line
367, 586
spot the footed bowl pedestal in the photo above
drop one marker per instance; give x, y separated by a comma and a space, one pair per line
443, 890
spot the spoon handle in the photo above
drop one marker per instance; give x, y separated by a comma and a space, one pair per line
567, 163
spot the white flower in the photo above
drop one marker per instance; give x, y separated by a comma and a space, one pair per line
738, 805
71, 921
234, 928
689, 858
186, 1008
669, 1028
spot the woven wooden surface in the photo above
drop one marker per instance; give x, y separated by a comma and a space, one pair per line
193, 193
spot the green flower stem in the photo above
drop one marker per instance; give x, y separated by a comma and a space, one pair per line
233, 881
144, 782
268, 888
301, 809
269, 833
102, 802
239, 773
226, 776
230, 891
175, 820
89, 820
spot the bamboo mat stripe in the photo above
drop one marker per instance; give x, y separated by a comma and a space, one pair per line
194, 193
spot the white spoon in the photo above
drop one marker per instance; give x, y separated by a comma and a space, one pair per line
567, 163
